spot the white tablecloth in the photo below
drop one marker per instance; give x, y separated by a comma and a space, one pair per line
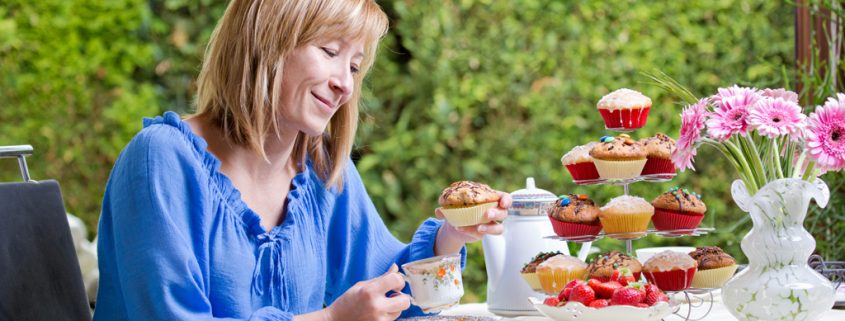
719, 313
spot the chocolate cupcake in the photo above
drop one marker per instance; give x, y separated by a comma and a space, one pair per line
464, 203
575, 215
715, 267
678, 209
618, 157
602, 267
659, 150
529, 270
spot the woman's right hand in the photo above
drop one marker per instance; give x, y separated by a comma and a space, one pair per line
367, 300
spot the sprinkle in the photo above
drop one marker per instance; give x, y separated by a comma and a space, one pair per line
565, 202
624, 136
562, 196
582, 197
629, 141
606, 139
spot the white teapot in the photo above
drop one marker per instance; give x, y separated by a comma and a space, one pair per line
526, 227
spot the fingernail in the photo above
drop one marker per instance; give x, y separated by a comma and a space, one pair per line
491, 215
482, 228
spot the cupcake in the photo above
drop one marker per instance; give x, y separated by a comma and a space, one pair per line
602, 267
464, 203
626, 217
678, 209
715, 267
579, 163
624, 109
670, 271
658, 154
558, 270
529, 271
618, 158
575, 215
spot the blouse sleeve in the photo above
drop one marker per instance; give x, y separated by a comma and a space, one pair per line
150, 244
360, 247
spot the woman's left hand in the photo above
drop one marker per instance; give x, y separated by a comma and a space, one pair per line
450, 238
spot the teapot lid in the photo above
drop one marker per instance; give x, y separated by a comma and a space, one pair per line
532, 194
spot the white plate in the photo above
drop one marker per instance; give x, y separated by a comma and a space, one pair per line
575, 311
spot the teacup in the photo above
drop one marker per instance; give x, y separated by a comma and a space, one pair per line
436, 282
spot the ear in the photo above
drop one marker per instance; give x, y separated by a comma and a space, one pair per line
741, 196
820, 192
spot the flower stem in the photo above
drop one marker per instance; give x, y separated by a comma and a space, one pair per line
776, 155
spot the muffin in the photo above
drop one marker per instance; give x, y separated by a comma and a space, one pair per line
626, 217
575, 215
557, 271
670, 271
618, 157
601, 268
580, 164
678, 209
464, 203
715, 267
624, 109
529, 270
658, 150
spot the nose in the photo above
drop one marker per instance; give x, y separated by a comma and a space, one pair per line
342, 83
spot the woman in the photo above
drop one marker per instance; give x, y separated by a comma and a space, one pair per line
251, 208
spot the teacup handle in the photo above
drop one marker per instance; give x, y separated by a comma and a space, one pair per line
408, 280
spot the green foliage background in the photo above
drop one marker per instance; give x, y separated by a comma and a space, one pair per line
493, 91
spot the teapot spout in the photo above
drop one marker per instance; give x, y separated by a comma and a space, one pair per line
494, 258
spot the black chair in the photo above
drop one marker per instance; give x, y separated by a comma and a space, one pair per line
40, 277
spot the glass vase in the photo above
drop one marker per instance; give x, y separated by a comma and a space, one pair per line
778, 284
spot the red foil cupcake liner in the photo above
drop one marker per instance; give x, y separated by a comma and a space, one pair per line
567, 229
674, 280
583, 171
607, 278
628, 118
664, 220
656, 165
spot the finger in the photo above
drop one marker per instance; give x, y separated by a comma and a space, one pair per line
504, 200
496, 214
391, 280
471, 230
439, 213
491, 228
397, 303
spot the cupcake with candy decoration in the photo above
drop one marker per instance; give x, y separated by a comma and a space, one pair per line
659, 150
575, 215
624, 109
580, 164
618, 157
678, 209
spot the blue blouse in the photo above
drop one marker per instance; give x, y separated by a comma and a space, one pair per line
177, 242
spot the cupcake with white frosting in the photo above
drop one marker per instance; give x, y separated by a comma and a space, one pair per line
670, 271
624, 109
580, 164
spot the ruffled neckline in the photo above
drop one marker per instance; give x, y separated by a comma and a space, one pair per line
230, 194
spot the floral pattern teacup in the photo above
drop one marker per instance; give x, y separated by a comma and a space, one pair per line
436, 282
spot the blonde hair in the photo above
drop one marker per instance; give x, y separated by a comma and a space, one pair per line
239, 86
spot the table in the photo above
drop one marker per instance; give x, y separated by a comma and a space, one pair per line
719, 313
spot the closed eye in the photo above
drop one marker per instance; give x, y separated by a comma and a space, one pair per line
330, 52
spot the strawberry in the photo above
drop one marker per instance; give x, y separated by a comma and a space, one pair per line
605, 290
582, 293
573, 283
641, 305
651, 298
624, 277
551, 301
650, 288
593, 283
598, 303
615, 275
564, 294
627, 296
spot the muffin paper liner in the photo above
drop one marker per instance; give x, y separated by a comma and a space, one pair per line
533, 281
627, 118
553, 280
713, 278
607, 278
567, 229
672, 220
619, 169
674, 280
467, 216
583, 171
636, 224
657, 165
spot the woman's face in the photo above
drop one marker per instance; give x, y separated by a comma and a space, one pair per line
318, 79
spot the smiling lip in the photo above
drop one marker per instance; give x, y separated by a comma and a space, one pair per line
325, 102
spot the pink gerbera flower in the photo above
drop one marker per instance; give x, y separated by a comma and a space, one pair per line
751, 94
729, 118
773, 117
692, 122
782, 93
826, 134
